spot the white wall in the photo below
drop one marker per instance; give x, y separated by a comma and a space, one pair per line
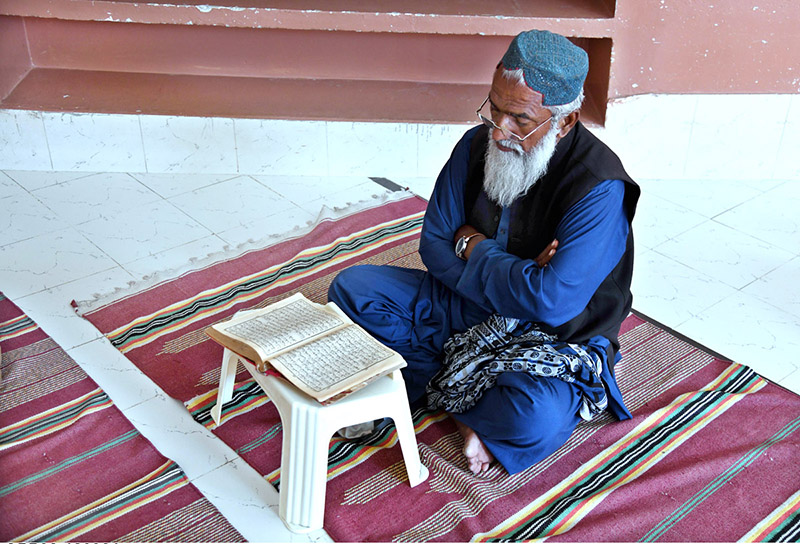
735, 137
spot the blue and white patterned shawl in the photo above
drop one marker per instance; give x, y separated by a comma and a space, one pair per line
475, 358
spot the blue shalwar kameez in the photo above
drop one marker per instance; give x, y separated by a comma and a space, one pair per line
523, 418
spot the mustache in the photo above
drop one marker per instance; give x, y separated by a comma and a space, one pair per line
509, 144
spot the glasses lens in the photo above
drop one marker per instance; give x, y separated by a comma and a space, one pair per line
486, 120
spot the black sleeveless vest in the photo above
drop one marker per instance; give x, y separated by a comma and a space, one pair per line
580, 162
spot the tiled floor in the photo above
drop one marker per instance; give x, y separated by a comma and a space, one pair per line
717, 261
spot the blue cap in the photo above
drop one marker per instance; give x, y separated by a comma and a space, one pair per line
552, 65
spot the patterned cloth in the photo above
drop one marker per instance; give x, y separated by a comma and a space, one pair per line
475, 358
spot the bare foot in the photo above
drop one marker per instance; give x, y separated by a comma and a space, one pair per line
478, 456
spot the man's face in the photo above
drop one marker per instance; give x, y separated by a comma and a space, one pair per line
517, 108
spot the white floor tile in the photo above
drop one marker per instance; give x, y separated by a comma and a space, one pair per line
707, 197
53, 311
278, 147
250, 504
94, 142
671, 292
142, 231
772, 217
47, 261
751, 332
23, 142
173, 184
176, 258
786, 164
125, 384
344, 198
167, 423
724, 253
188, 144
792, 382
304, 189
231, 203
435, 144
24, 217
32, 179
716, 149
710, 151
657, 220
419, 186
386, 149
269, 229
780, 288
9, 187
92, 197
646, 154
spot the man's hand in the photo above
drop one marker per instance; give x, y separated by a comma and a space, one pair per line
468, 230
545, 256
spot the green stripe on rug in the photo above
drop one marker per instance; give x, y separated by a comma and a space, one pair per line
54, 421
68, 463
263, 439
742, 463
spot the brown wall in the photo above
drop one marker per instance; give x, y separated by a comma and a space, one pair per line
374, 59
714, 46
15, 61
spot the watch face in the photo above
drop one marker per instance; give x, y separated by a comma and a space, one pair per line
461, 246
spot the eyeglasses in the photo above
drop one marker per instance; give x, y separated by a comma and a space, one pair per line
491, 124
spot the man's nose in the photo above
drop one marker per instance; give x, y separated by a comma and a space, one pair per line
502, 130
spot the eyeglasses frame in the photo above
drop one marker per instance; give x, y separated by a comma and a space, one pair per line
491, 124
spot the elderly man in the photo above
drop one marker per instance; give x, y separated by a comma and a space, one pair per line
529, 253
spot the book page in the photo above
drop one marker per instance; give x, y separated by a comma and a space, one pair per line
334, 359
285, 325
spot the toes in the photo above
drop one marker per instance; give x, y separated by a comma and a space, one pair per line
475, 466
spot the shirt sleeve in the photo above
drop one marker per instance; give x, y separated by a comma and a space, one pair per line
445, 215
592, 238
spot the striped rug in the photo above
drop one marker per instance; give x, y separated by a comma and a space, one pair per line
712, 452
72, 468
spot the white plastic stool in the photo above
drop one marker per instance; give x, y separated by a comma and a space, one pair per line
307, 430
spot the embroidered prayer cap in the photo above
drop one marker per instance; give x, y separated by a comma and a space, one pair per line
552, 65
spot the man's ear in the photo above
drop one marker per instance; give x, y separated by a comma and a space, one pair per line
568, 122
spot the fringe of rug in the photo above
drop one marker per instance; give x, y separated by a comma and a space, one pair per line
105, 298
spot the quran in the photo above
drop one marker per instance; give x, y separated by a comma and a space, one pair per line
315, 347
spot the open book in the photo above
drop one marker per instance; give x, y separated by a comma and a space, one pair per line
317, 348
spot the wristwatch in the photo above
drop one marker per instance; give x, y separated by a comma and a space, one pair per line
461, 245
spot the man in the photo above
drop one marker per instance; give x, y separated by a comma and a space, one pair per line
529, 256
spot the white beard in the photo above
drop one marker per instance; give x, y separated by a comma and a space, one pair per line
510, 174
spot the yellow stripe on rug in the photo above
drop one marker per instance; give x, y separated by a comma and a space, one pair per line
582, 507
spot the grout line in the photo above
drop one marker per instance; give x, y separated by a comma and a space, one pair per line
416, 166
144, 151
689, 139
236, 147
46, 140
780, 142
327, 150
